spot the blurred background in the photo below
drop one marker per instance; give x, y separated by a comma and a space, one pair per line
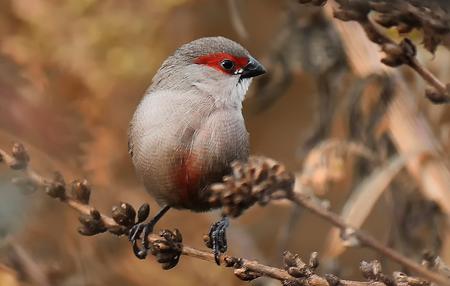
73, 71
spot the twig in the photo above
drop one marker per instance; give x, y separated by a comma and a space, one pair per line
261, 180
277, 184
367, 240
296, 271
396, 53
405, 53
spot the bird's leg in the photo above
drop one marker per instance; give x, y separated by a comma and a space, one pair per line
218, 238
144, 229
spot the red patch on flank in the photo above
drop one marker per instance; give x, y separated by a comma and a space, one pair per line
187, 176
214, 60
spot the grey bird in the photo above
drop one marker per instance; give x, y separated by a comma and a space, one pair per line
189, 127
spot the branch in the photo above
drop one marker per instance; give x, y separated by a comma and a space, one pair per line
261, 180
266, 180
167, 245
404, 16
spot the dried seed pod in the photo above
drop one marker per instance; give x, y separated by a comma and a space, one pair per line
254, 181
124, 214
95, 214
167, 250
372, 271
81, 191
86, 231
21, 157
333, 280
230, 261
400, 54
57, 187
143, 212
298, 272
392, 49
295, 266
314, 260
391, 61
366, 270
245, 274
408, 47
289, 259
401, 279
91, 224
434, 96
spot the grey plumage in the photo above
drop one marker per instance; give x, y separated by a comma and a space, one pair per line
189, 118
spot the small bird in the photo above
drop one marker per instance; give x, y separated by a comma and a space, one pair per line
189, 127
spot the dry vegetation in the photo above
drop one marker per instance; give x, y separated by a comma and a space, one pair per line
355, 108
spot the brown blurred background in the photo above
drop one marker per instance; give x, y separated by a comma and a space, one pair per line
71, 74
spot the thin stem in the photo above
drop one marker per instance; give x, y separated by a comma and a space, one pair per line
261, 269
368, 240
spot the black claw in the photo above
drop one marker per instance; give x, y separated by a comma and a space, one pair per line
141, 231
135, 232
138, 230
138, 252
218, 238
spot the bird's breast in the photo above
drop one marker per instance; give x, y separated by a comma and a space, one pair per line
180, 148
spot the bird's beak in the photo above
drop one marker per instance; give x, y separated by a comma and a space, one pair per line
252, 69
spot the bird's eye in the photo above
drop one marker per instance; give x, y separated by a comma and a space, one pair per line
227, 65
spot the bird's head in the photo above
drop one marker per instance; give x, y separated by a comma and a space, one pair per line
216, 66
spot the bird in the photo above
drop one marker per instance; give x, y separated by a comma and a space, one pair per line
188, 128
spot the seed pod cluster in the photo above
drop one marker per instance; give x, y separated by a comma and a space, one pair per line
126, 217
295, 266
373, 272
240, 270
303, 272
356, 10
167, 250
430, 16
257, 181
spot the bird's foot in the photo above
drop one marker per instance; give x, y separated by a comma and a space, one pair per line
141, 231
138, 232
217, 239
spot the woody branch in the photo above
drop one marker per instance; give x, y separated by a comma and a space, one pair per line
258, 181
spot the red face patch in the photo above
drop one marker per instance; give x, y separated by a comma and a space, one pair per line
223, 62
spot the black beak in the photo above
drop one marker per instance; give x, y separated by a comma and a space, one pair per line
252, 69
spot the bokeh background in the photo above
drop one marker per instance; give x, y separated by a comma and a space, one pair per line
73, 71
